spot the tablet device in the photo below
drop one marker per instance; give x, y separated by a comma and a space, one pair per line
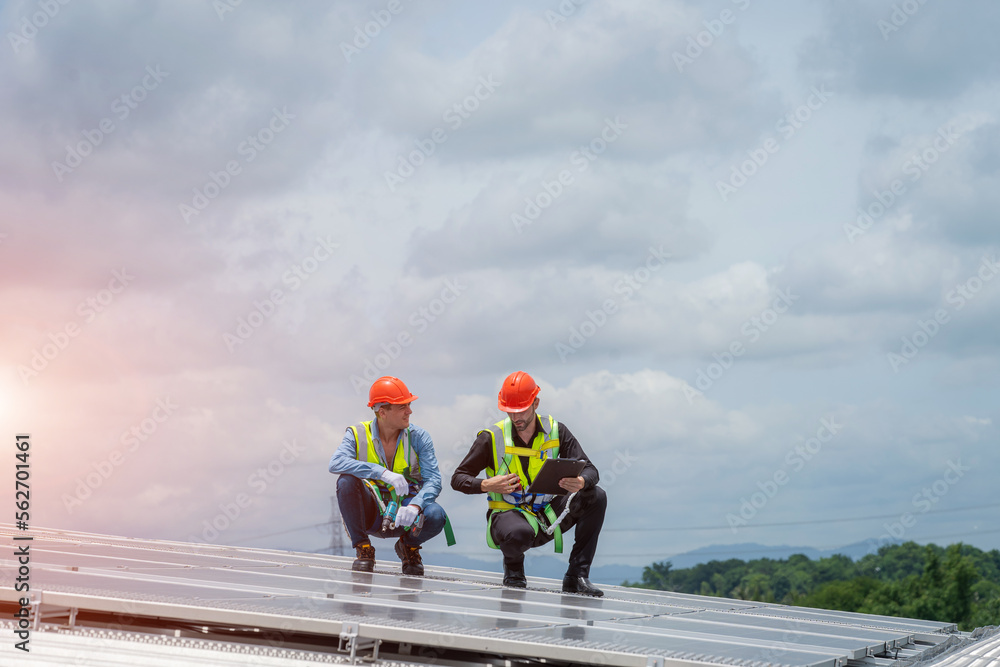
547, 479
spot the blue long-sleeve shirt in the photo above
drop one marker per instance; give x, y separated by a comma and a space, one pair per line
345, 462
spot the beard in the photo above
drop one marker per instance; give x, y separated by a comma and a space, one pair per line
523, 423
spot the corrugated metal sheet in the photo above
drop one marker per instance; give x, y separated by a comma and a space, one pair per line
150, 585
111, 648
982, 652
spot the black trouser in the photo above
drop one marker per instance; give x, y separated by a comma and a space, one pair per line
513, 534
362, 518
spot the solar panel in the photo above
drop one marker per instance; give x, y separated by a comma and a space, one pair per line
233, 594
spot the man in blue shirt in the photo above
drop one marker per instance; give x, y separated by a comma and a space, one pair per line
385, 460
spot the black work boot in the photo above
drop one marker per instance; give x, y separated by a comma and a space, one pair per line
582, 585
513, 573
365, 562
413, 566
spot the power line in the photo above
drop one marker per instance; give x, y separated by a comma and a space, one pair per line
731, 551
871, 517
281, 532
926, 538
651, 529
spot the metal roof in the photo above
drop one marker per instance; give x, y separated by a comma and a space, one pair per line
111, 599
981, 649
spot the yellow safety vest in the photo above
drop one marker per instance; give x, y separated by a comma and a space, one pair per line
507, 460
405, 462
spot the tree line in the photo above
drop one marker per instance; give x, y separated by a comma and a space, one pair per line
955, 584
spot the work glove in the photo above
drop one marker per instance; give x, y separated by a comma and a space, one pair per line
397, 482
406, 515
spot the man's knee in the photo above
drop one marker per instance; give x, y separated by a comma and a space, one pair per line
522, 535
512, 530
434, 518
434, 514
599, 498
353, 498
592, 504
348, 484
514, 544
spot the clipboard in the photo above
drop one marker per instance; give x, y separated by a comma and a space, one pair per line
547, 479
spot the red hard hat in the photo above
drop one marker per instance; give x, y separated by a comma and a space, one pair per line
388, 389
517, 392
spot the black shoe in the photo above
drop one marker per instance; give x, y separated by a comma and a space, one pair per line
413, 566
513, 574
365, 562
580, 585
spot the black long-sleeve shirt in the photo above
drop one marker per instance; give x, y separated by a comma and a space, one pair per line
466, 476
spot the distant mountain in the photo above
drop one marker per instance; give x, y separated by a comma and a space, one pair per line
752, 550
744, 551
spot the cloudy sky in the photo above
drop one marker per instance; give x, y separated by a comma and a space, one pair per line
747, 248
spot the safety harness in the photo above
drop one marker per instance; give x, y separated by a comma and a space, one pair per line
535, 508
405, 462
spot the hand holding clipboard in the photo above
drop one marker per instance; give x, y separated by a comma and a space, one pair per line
553, 470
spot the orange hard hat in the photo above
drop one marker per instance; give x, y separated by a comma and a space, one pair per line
517, 392
388, 389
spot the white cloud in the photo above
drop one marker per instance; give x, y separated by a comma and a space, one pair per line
635, 266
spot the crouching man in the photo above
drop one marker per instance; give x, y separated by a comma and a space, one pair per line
384, 461
512, 452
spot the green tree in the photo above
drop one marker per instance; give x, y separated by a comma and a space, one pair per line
657, 576
959, 584
960, 575
754, 586
841, 595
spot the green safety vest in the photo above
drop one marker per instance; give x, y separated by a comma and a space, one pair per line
536, 508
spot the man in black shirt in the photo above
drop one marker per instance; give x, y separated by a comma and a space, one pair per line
512, 452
